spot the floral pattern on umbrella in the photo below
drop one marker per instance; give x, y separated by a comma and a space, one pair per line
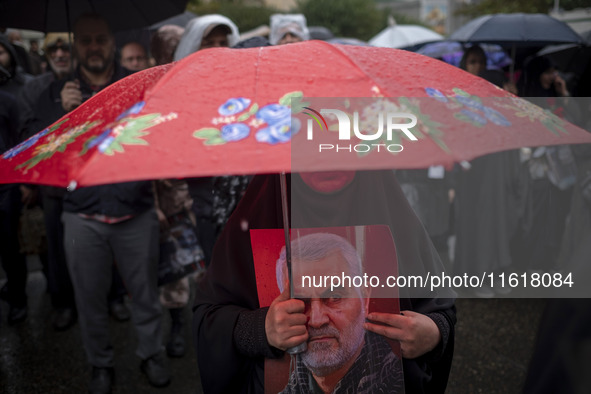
127, 131
236, 120
425, 127
524, 109
32, 141
469, 108
56, 143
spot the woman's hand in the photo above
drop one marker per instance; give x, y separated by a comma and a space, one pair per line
417, 333
560, 86
285, 324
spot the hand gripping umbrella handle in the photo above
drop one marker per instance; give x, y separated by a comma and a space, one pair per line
302, 346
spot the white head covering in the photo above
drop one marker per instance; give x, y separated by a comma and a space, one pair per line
282, 24
199, 27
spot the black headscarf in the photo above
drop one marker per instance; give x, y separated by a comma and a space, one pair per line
229, 287
531, 82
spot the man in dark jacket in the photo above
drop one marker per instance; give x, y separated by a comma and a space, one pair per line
12, 80
57, 50
107, 223
13, 261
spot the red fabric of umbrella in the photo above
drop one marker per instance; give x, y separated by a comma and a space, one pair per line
228, 111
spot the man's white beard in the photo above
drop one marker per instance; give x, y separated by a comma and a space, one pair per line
321, 360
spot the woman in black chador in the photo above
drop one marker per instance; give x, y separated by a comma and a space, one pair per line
233, 335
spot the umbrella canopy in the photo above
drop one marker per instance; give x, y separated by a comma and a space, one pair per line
58, 15
347, 41
229, 111
568, 57
518, 29
178, 20
320, 33
452, 51
403, 36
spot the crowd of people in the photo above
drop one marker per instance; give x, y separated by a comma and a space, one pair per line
106, 243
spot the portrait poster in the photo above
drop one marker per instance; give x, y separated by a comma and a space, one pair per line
374, 245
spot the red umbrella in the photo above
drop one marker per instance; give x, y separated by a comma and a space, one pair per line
227, 111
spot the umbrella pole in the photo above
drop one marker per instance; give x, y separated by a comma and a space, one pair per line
512, 67
67, 4
285, 210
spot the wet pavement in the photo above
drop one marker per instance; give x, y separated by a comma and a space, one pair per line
494, 340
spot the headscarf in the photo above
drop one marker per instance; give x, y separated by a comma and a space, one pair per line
230, 288
164, 42
5, 42
531, 82
281, 24
473, 50
200, 27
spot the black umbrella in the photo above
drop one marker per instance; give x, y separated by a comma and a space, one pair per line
58, 15
517, 30
178, 20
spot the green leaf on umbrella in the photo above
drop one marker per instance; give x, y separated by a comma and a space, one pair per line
425, 123
206, 133
56, 143
294, 101
253, 110
460, 92
215, 141
114, 146
286, 100
554, 126
460, 116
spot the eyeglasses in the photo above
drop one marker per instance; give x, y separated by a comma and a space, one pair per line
54, 48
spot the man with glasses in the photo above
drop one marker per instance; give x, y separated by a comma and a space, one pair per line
12, 80
58, 54
57, 51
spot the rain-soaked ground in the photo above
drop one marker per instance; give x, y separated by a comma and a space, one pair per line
494, 340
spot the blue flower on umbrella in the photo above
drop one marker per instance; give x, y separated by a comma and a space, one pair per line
23, 146
106, 142
496, 117
235, 132
474, 117
274, 113
279, 132
470, 103
234, 106
99, 140
436, 94
134, 109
